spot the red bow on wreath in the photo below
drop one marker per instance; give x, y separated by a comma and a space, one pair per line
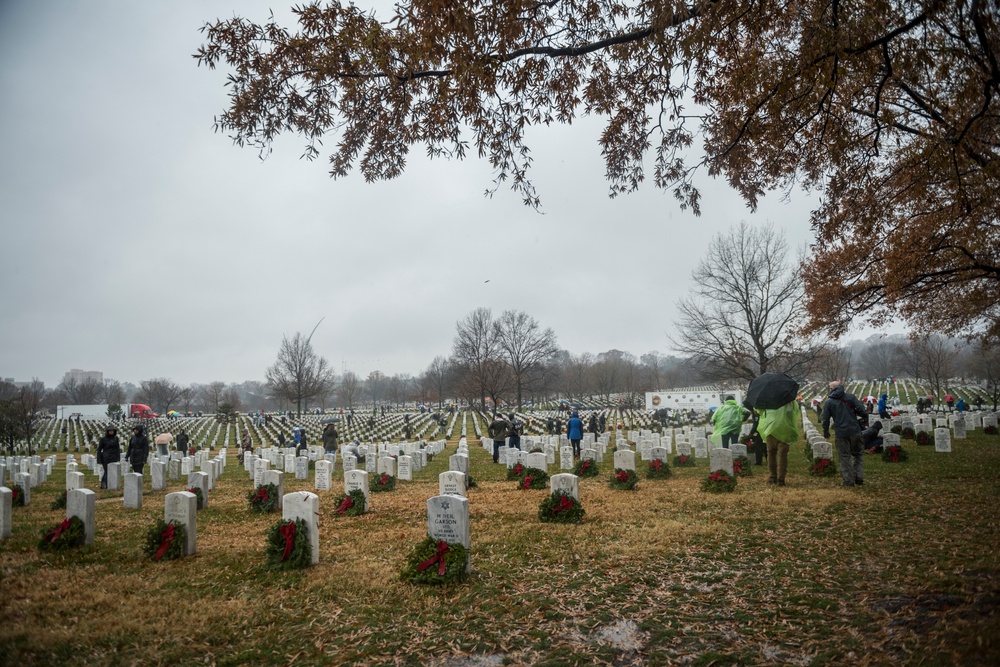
737, 466
684, 459
288, 532
518, 469
894, 454
719, 476
384, 479
344, 506
166, 538
656, 464
564, 504
821, 465
261, 494
442, 549
527, 482
585, 465
622, 476
54, 534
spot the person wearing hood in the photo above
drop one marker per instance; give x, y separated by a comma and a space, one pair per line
574, 431
755, 441
138, 449
330, 436
728, 420
109, 450
848, 415
182, 443
883, 410
872, 438
592, 425
777, 428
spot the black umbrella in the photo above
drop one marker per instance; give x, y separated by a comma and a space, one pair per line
772, 390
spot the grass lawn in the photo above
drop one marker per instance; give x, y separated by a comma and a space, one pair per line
905, 570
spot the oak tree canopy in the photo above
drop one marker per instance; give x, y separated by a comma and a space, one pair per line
887, 108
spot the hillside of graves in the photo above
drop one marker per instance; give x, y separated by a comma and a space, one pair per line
904, 569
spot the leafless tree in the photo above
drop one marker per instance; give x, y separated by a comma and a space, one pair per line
833, 363
525, 346
375, 385
211, 393
299, 375
438, 378
160, 394
745, 309
20, 412
349, 389
112, 392
935, 356
476, 349
880, 359
87, 392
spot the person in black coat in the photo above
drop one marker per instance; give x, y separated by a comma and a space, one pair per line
138, 449
109, 450
592, 425
182, 442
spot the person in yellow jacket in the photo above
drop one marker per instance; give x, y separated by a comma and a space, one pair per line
777, 427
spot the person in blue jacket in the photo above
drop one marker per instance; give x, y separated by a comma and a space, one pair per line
883, 412
574, 431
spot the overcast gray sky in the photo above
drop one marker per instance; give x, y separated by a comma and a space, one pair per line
139, 243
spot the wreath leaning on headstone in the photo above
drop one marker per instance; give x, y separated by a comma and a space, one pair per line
658, 469
742, 467
65, 535
719, 482
990, 430
17, 496
822, 468
533, 478
895, 454
383, 482
196, 490
288, 545
165, 541
924, 438
60, 502
469, 482
586, 468
908, 433
435, 562
684, 461
264, 498
560, 507
351, 504
624, 480
515, 472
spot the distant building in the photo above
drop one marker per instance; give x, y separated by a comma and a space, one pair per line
81, 376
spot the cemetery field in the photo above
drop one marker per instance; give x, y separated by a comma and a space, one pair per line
905, 569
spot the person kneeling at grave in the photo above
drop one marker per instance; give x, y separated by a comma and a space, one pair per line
872, 438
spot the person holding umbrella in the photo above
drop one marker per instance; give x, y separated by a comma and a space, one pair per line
775, 396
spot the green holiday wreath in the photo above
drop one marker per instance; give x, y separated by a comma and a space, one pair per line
65, 535
165, 541
469, 482
16, 496
684, 461
924, 438
60, 502
822, 468
658, 469
383, 482
196, 490
560, 507
908, 433
516, 472
586, 468
435, 562
623, 480
895, 454
742, 467
351, 504
533, 478
288, 546
264, 498
719, 482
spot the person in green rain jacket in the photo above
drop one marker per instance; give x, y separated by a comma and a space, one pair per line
777, 427
728, 419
